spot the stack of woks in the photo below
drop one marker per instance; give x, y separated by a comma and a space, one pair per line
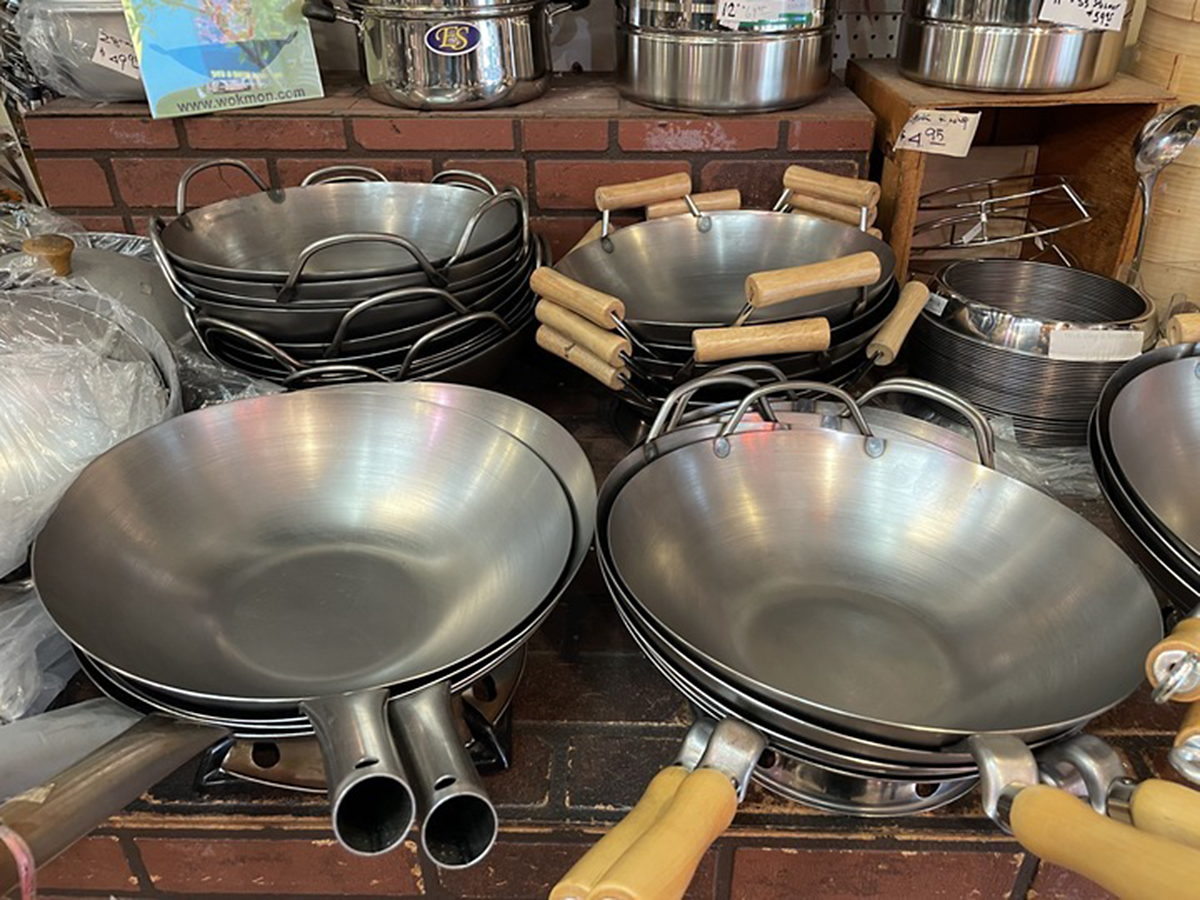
1002, 45
647, 307
680, 54
352, 277
1168, 54
1030, 341
323, 599
802, 581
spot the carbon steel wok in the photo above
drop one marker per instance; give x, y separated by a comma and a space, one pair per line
311, 555
927, 606
674, 278
258, 237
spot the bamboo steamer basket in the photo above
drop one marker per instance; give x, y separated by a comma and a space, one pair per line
1176, 9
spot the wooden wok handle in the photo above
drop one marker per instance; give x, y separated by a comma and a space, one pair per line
53, 249
1132, 864
643, 193
710, 201
798, 336
875, 233
605, 345
578, 883
595, 306
563, 347
1168, 810
781, 285
830, 209
885, 346
661, 864
839, 188
1184, 638
590, 235
1183, 328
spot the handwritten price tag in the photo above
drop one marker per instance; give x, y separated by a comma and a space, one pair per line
116, 53
733, 13
946, 132
1106, 15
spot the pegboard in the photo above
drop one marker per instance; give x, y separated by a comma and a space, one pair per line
866, 29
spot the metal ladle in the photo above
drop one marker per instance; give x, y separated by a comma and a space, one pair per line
1158, 145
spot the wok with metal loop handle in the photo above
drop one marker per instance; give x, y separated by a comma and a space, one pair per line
186, 178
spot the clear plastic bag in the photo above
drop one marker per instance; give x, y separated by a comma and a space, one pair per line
30, 645
21, 221
78, 374
59, 41
207, 382
1058, 471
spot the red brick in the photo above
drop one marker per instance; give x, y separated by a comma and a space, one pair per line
611, 774
74, 182
1054, 883
1138, 715
85, 133
526, 783
293, 171
101, 223
761, 180
243, 133
502, 172
830, 134
1158, 761
278, 867
152, 181
562, 184
434, 134
564, 134
762, 873
92, 864
699, 135
563, 232
531, 869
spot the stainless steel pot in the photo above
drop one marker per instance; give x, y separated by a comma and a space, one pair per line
725, 72
434, 56
1015, 58
702, 15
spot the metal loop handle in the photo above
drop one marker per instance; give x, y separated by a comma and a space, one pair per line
333, 174
985, 438
1094, 762
681, 396
315, 373
667, 418
508, 195
358, 309
186, 177
206, 323
287, 292
464, 178
795, 386
181, 291
435, 333
1185, 759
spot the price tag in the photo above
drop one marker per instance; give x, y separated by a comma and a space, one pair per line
945, 132
936, 303
116, 53
1106, 15
1094, 345
734, 13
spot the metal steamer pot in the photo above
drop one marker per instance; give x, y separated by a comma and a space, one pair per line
451, 55
931, 516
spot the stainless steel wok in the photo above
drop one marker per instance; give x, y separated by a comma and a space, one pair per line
674, 277
259, 237
880, 587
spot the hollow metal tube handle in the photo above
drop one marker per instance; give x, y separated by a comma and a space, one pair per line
287, 292
186, 177
342, 173
181, 292
207, 323
467, 179
508, 195
793, 387
674, 406
431, 335
315, 374
339, 336
985, 438
51, 818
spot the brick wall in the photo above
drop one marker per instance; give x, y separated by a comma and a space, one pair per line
111, 166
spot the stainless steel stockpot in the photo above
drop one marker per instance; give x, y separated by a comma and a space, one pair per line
723, 72
702, 15
1017, 58
441, 56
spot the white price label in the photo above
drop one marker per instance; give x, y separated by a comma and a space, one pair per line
733, 13
946, 132
113, 51
1094, 345
936, 303
1106, 15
